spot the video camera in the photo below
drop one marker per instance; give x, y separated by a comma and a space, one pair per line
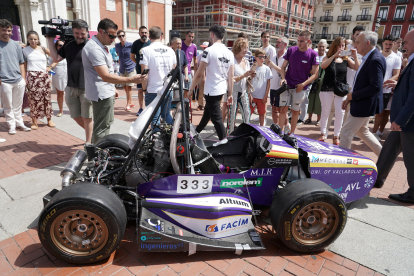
282, 89
62, 28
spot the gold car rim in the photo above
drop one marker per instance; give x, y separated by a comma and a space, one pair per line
315, 223
79, 233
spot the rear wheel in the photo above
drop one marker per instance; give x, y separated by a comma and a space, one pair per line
116, 144
308, 215
83, 223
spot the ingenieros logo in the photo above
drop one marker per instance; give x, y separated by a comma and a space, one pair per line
214, 228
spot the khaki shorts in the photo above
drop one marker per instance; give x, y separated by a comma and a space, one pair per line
78, 104
126, 74
292, 98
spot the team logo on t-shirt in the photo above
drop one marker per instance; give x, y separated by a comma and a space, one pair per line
304, 61
141, 57
205, 53
160, 50
224, 60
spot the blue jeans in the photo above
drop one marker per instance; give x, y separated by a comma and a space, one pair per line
164, 109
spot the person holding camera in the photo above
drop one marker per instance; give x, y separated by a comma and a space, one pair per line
100, 78
12, 78
80, 108
335, 65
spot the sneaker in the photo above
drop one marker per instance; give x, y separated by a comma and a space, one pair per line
24, 128
139, 111
377, 137
379, 133
300, 122
2, 140
224, 141
286, 129
12, 131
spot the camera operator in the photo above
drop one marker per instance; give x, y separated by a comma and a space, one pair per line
100, 78
80, 108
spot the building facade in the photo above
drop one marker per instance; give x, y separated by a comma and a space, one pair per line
336, 18
249, 16
129, 15
397, 17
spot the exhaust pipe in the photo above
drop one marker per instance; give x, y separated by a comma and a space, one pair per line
72, 168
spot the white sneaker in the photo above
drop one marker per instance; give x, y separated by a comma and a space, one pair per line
24, 128
2, 140
379, 133
286, 129
224, 141
376, 136
12, 131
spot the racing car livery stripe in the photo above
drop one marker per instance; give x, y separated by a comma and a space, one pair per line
283, 152
169, 214
330, 165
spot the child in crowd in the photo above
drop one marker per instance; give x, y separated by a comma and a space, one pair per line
261, 85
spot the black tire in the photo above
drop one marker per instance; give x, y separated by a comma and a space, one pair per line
308, 215
116, 144
83, 223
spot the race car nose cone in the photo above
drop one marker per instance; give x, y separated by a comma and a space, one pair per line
82, 228
311, 219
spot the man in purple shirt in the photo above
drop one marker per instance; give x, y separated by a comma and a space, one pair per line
302, 63
126, 65
190, 51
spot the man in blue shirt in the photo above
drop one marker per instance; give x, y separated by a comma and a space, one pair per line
126, 65
401, 137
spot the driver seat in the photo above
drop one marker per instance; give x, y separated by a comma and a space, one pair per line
249, 151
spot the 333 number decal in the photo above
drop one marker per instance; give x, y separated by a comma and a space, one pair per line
194, 184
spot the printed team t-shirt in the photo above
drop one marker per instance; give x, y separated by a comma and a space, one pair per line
160, 59
259, 82
190, 53
393, 62
136, 48
218, 59
300, 65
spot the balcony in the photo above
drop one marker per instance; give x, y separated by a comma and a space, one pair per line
323, 36
402, 1
385, 2
326, 19
346, 36
364, 17
344, 18
398, 19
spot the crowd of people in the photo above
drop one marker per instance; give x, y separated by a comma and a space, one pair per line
354, 81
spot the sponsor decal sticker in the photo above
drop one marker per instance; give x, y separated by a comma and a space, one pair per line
156, 224
161, 245
367, 172
355, 162
194, 184
205, 53
349, 160
240, 182
145, 238
234, 202
227, 226
368, 182
288, 236
261, 172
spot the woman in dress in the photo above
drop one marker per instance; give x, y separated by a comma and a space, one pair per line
39, 85
60, 79
241, 72
334, 63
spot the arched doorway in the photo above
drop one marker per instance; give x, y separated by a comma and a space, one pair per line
9, 11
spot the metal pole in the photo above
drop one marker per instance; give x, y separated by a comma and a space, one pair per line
288, 20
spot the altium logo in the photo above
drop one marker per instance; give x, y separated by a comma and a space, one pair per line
233, 201
238, 183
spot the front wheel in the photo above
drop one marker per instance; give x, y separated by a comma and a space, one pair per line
83, 223
308, 215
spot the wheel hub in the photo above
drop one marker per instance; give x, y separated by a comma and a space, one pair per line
315, 223
79, 232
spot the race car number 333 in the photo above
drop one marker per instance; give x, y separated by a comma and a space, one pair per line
194, 184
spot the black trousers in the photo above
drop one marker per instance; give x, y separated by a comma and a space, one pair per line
212, 111
397, 142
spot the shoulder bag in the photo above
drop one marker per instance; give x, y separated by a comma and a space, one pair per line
340, 89
316, 86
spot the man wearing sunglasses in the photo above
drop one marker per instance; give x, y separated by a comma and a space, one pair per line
100, 78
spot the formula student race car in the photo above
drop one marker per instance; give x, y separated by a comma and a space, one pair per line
191, 194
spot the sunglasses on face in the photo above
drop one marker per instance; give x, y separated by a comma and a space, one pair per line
109, 35
261, 57
119, 36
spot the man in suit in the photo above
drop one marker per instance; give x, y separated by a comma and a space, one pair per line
401, 136
366, 94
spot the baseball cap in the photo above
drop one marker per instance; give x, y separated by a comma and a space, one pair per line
204, 45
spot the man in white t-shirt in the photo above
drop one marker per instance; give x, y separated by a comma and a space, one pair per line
350, 76
160, 60
200, 96
218, 62
397, 46
391, 73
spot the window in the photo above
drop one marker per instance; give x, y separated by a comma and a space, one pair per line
345, 13
309, 14
383, 13
325, 30
187, 18
365, 11
410, 27
244, 22
230, 18
267, 24
328, 12
400, 12
269, 4
279, 5
396, 31
208, 17
342, 30
70, 15
288, 6
296, 9
133, 14
303, 12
